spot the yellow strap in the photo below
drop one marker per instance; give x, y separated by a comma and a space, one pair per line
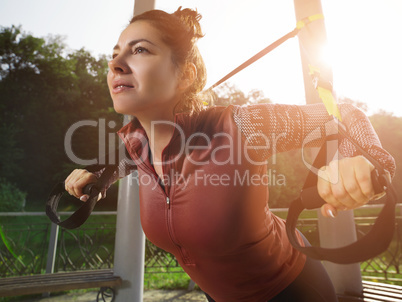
312, 69
325, 95
329, 101
300, 24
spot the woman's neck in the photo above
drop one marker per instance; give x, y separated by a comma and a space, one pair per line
159, 130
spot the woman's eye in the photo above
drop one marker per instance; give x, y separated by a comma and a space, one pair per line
114, 55
140, 49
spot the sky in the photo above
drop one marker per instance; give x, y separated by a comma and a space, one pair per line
364, 43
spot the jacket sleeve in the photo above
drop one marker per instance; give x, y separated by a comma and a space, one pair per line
124, 166
282, 128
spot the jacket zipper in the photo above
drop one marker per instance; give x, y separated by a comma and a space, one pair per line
184, 254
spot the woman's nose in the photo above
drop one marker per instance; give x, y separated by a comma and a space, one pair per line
116, 65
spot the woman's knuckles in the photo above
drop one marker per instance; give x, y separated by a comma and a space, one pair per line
340, 193
76, 181
324, 191
353, 189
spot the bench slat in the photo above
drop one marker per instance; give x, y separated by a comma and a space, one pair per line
394, 292
60, 275
372, 300
382, 285
57, 282
381, 298
383, 293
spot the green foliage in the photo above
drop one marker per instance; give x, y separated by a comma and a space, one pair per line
288, 166
11, 198
227, 94
361, 105
389, 130
10, 153
44, 90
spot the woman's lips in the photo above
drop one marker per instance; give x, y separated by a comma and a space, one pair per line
121, 86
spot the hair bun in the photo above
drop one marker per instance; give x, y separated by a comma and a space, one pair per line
191, 19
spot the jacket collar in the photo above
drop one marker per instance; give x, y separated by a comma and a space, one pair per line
136, 139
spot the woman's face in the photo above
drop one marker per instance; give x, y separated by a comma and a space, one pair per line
142, 78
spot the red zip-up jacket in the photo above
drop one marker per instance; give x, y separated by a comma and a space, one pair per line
210, 209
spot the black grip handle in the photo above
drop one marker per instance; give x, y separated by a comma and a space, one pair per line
312, 200
79, 216
374, 242
89, 188
92, 189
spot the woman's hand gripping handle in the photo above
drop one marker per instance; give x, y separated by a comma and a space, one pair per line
79, 184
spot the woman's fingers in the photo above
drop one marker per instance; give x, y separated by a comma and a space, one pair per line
324, 187
77, 180
328, 210
345, 184
363, 176
346, 189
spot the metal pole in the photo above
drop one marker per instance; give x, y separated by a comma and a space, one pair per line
130, 239
51, 251
130, 243
341, 230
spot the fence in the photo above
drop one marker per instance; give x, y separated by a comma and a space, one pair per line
30, 244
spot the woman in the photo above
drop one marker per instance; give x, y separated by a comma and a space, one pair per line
202, 191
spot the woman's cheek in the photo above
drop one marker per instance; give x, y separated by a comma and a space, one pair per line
165, 77
109, 81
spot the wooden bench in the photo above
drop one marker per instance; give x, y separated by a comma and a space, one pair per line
375, 292
36, 284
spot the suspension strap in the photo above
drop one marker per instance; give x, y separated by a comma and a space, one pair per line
374, 242
300, 24
82, 213
324, 89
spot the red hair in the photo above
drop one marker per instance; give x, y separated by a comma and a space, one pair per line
180, 31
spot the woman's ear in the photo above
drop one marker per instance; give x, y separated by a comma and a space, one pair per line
188, 76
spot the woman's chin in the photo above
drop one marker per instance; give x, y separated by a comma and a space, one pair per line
119, 108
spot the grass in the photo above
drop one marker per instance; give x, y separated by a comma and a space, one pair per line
307, 214
166, 281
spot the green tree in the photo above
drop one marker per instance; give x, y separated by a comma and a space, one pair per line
228, 94
45, 89
389, 130
361, 105
11, 198
10, 153
288, 175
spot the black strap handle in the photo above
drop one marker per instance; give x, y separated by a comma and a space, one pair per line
373, 243
82, 213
